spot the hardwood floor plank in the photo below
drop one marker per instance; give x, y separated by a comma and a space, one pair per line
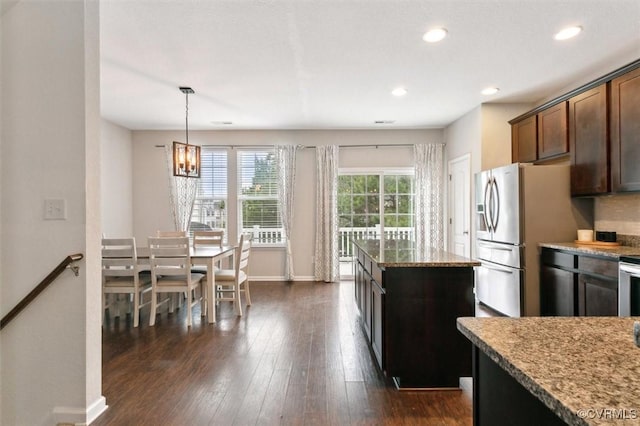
272, 408
297, 357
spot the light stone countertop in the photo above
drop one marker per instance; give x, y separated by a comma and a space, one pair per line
569, 363
614, 252
404, 254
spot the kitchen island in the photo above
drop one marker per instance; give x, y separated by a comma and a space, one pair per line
548, 371
409, 301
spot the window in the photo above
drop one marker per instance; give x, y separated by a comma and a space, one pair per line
258, 196
374, 205
210, 206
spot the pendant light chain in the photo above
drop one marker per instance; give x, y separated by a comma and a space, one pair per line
187, 115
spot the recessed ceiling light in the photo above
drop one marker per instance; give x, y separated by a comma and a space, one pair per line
399, 91
567, 33
221, 123
490, 91
434, 35
384, 121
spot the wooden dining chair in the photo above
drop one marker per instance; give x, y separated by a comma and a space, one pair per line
121, 275
231, 282
211, 238
171, 273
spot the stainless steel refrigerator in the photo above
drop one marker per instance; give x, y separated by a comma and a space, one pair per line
517, 207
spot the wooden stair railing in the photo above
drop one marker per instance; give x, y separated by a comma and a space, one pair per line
66, 263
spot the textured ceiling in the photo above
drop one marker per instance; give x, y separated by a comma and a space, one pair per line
331, 64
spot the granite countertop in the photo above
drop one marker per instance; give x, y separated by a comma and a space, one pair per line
572, 364
403, 253
614, 252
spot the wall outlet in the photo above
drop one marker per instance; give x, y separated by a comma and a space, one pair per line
55, 209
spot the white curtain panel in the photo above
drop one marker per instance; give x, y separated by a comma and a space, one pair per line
327, 266
429, 181
182, 194
286, 166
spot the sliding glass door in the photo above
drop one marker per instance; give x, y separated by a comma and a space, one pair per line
376, 204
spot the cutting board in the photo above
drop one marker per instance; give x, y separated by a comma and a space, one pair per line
598, 243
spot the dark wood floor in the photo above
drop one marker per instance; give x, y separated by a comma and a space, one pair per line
298, 356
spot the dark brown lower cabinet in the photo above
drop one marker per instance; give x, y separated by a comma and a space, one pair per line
559, 289
573, 284
377, 315
597, 296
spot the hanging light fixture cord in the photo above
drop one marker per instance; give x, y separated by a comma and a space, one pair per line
186, 91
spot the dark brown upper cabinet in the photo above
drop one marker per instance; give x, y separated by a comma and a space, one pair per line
524, 141
588, 141
553, 139
625, 132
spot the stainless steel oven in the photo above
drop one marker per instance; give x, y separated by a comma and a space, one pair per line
629, 286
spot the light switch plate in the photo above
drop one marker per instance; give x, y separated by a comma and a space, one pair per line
55, 209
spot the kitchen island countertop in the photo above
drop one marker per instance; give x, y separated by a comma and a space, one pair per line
404, 254
579, 367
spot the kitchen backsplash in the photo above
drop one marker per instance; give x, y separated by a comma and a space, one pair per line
619, 213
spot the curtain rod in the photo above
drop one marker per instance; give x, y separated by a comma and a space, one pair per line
378, 145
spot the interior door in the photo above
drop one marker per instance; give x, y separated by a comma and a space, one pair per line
460, 205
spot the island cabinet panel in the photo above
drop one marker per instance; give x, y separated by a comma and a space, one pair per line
553, 139
625, 132
377, 318
423, 346
524, 140
408, 314
498, 398
588, 140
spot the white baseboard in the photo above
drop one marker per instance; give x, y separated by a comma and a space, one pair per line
272, 278
80, 416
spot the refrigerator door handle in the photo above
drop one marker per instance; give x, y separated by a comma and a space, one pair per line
495, 199
487, 206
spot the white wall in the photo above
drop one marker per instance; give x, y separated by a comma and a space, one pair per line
150, 190
51, 353
116, 152
496, 133
464, 136
485, 134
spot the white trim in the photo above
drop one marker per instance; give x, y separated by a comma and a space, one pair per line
281, 278
80, 416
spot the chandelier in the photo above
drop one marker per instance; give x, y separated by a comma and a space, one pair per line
186, 158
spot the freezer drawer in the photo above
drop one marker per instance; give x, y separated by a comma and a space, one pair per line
500, 288
502, 254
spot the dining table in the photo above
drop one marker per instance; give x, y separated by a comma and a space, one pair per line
207, 256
